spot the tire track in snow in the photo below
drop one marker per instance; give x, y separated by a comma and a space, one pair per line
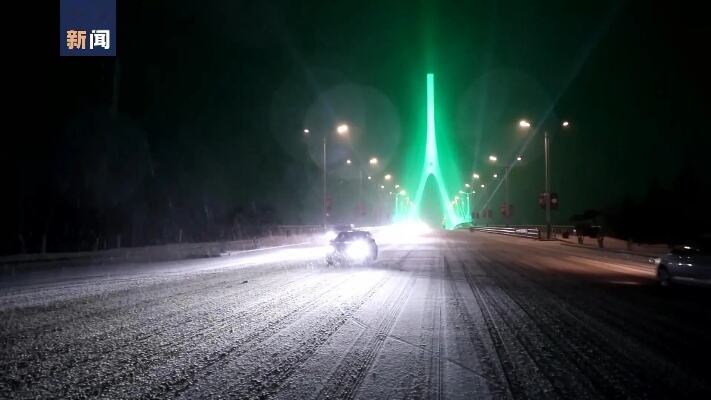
562, 369
606, 350
483, 343
72, 369
436, 378
348, 376
176, 364
314, 331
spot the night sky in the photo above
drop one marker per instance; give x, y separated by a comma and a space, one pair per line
213, 97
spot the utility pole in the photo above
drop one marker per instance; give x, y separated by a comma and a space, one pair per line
508, 205
548, 188
324, 183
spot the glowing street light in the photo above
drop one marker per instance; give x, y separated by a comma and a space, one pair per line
348, 161
467, 185
370, 177
382, 186
397, 186
373, 161
482, 185
519, 158
402, 192
565, 124
492, 158
306, 131
496, 176
475, 176
342, 129
388, 177
524, 124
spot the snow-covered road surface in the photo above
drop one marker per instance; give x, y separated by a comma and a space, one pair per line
445, 315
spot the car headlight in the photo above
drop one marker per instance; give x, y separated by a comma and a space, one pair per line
330, 235
358, 250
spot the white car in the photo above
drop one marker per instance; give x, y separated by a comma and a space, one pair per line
685, 264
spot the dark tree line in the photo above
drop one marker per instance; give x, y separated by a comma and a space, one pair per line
677, 211
101, 182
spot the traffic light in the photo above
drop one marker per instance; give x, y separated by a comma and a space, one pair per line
554, 200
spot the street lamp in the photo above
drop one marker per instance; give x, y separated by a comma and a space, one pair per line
546, 146
387, 177
496, 176
373, 161
519, 158
467, 185
348, 161
342, 129
370, 177
397, 186
482, 186
475, 176
492, 158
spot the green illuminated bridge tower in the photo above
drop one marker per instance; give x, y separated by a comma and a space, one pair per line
431, 168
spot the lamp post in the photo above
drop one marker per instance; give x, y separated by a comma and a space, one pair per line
506, 196
546, 150
342, 130
548, 188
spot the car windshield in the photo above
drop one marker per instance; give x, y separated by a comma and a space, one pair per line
351, 236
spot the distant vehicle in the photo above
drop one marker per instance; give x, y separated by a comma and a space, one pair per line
351, 247
685, 264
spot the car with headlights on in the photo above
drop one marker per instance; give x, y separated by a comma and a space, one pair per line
689, 263
352, 247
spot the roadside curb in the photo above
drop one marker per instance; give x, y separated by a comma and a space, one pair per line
170, 252
631, 253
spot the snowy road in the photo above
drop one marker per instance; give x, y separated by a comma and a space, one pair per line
447, 315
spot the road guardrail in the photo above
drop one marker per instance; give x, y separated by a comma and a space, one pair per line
527, 232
